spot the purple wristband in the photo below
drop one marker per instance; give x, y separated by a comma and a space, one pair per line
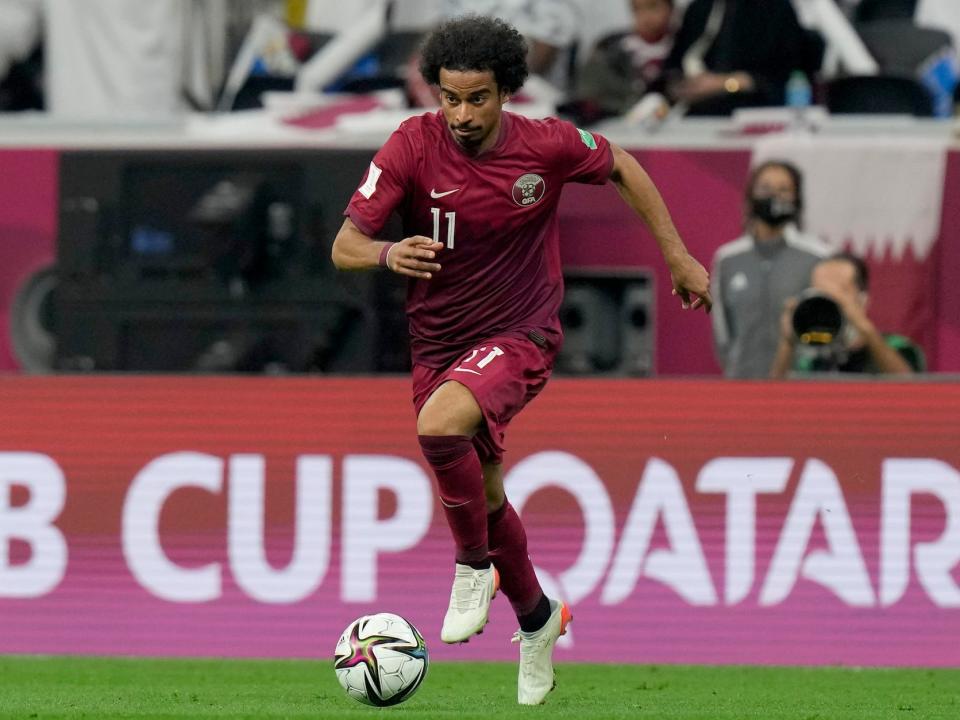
382, 262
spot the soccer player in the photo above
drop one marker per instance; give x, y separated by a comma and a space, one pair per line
477, 189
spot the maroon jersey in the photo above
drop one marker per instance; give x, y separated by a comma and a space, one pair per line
496, 214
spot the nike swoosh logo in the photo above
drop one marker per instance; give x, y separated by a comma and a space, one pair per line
465, 370
434, 194
455, 506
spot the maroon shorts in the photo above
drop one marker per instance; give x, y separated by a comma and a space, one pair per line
503, 373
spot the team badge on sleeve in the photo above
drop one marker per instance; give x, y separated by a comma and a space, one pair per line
370, 184
589, 140
528, 189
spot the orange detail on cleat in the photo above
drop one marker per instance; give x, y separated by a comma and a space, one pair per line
565, 618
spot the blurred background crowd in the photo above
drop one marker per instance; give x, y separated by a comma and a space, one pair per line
591, 60
212, 256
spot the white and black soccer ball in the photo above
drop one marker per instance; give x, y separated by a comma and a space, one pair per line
381, 659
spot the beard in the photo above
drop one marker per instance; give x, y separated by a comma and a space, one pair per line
469, 141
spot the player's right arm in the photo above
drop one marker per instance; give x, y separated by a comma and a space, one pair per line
412, 256
387, 182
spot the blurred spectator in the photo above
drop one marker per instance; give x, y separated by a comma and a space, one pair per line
550, 27
754, 275
624, 65
19, 31
852, 346
551, 30
735, 53
115, 59
20, 23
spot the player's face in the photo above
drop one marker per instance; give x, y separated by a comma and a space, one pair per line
472, 103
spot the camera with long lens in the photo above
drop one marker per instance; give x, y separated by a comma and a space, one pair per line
818, 324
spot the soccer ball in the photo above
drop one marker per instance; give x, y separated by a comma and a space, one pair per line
381, 659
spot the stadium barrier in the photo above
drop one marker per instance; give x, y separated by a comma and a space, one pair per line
687, 522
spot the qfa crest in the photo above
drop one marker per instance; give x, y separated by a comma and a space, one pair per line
528, 189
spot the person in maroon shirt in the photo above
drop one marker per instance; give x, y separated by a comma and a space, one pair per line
477, 190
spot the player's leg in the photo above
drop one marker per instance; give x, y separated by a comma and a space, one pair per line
477, 397
445, 426
541, 620
507, 541
536, 678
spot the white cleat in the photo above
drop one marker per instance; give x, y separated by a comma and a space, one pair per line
469, 603
536, 656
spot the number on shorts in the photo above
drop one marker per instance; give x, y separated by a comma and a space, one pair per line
494, 353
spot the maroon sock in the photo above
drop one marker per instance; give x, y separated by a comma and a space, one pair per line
460, 480
508, 551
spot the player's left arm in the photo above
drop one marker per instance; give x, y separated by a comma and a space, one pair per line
690, 278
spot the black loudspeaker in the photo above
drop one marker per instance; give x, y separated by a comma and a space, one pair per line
608, 323
31, 322
636, 329
591, 333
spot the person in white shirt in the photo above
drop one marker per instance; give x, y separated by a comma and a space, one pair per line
20, 22
625, 65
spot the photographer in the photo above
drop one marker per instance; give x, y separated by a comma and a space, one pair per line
843, 338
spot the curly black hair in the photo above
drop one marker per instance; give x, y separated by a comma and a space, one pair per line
476, 42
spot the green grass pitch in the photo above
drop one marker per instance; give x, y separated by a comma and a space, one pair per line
103, 689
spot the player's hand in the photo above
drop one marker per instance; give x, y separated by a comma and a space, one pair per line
692, 283
413, 257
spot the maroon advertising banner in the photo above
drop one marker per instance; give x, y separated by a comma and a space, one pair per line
686, 522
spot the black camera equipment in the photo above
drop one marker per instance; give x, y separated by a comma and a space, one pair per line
818, 324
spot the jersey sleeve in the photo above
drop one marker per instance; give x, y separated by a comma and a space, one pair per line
586, 156
384, 186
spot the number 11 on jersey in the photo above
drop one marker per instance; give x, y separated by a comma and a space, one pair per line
451, 223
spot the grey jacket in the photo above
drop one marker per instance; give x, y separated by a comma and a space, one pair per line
750, 283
